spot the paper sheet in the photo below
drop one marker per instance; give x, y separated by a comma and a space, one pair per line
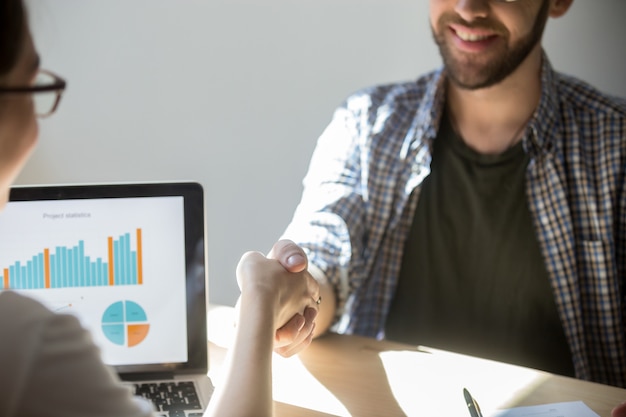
567, 409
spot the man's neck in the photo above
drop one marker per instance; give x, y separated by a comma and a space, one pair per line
491, 120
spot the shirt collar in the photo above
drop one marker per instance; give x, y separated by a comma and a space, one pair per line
541, 132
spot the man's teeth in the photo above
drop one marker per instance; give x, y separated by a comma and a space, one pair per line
470, 37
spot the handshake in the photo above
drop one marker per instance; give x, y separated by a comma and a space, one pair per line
280, 289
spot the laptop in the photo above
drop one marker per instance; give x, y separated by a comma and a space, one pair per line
129, 260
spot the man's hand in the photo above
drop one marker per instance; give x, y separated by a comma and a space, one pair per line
297, 333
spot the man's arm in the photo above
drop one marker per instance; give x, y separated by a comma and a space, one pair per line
292, 338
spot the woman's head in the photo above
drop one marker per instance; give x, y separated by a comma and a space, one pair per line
19, 64
12, 30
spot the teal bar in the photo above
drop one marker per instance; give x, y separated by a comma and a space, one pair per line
70, 268
40, 270
57, 268
18, 275
129, 261
29, 273
86, 265
116, 262
123, 258
75, 267
127, 257
24, 277
12, 280
79, 278
53, 271
119, 261
63, 267
82, 273
101, 277
123, 255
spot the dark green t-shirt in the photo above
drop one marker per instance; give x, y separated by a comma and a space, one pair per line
473, 279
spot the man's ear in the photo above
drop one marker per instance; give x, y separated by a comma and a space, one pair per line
559, 7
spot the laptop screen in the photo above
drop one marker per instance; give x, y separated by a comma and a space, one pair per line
127, 259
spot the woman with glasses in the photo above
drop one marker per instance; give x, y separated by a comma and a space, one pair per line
49, 365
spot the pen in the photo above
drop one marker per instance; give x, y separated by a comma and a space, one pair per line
472, 405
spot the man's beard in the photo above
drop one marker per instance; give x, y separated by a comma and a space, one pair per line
470, 73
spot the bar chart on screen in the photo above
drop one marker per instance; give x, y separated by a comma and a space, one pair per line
66, 267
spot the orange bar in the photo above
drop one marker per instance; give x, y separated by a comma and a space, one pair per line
46, 267
111, 277
139, 262
6, 278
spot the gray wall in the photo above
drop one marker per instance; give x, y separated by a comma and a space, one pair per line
234, 93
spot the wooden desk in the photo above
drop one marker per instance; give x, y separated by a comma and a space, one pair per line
355, 376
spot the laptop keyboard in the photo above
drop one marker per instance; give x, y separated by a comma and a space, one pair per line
171, 399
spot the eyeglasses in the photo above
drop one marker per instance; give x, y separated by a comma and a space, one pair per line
46, 90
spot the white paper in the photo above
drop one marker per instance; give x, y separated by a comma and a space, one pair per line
567, 409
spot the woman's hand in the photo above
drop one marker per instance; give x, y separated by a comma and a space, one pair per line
281, 283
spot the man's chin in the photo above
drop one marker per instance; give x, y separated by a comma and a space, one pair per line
470, 78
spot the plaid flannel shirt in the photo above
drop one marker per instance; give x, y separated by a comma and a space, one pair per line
356, 210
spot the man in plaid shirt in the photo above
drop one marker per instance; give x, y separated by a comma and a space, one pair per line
480, 208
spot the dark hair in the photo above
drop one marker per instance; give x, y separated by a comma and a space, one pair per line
12, 33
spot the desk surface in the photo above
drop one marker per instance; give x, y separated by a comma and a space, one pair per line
356, 376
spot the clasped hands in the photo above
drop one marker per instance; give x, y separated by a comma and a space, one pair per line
282, 282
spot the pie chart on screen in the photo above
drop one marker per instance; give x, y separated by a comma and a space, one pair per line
125, 323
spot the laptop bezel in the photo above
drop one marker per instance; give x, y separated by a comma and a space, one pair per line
196, 270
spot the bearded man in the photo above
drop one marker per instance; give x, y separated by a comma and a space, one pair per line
480, 208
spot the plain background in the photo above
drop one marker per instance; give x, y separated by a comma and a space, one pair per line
233, 94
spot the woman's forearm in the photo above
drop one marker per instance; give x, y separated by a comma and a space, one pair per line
247, 387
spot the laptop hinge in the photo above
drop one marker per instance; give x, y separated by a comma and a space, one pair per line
148, 376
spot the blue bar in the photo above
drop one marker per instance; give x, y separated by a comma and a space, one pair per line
24, 277
40, 270
119, 262
116, 262
101, 278
129, 261
12, 281
18, 275
105, 273
29, 275
57, 268
81, 263
71, 274
63, 267
86, 265
78, 278
53, 275
124, 256
75, 267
